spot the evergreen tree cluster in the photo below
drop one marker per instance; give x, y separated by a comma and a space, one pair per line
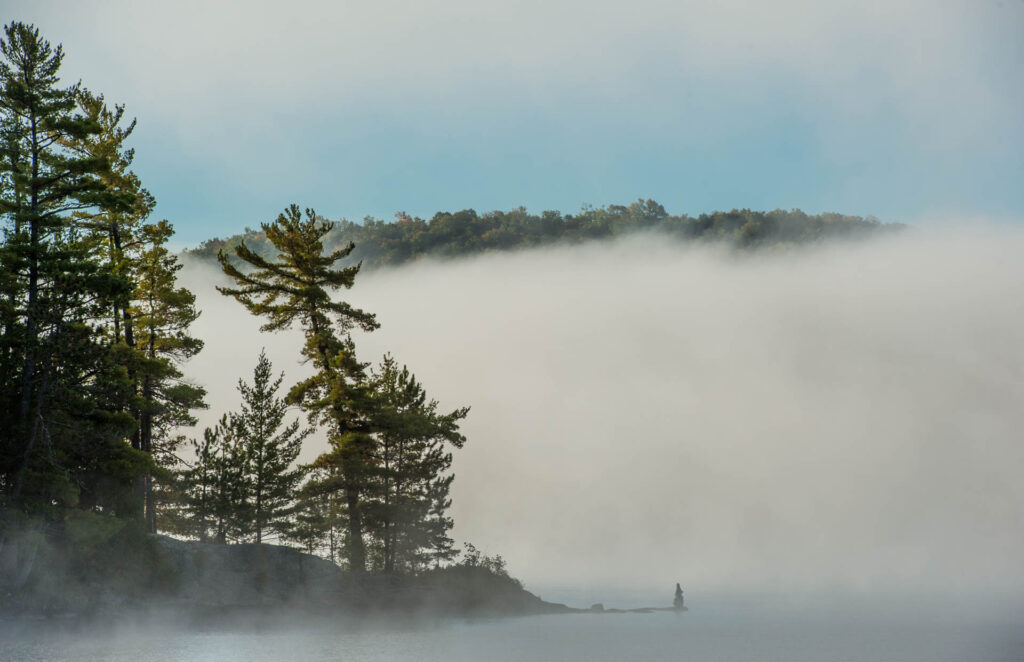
241, 481
452, 234
95, 332
378, 497
93, 325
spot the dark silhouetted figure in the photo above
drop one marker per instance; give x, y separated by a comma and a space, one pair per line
678, 602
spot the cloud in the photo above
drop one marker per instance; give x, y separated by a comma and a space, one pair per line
191, 58
356, 108
846, 416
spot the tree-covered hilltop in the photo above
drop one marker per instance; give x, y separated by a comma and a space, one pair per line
379, 243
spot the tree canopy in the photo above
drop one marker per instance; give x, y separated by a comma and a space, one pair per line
451, 234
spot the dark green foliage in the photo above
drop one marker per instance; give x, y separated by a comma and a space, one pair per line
94, 330
215, 488
405, 485
197, 487
388, 454
92, 398
62, 386
270, 448
318, 519
241, 483
379, 243
158, 317
408, 502
294, 287
474, 558
150, 319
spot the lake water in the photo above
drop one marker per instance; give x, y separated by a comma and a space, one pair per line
732, 631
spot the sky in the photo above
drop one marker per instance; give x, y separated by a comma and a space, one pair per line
908, 111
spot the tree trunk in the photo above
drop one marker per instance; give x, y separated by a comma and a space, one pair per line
145, 483
259, 513
31, 323
356, 549
389, 547
354, 543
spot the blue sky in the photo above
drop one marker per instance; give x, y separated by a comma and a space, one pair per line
909, 111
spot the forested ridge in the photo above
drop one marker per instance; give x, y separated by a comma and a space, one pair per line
450, 234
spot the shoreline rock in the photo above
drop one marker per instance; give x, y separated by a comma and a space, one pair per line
204, 585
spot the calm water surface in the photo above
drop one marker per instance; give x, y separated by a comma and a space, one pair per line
733, 632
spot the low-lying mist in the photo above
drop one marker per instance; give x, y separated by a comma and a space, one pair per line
842, 417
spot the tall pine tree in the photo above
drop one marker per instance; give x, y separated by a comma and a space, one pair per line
149, 323
62, 386
296, 288
161, 314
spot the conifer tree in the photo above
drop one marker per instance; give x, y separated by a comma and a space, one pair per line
411, 486
317, 515
151, 321
295, 288
78, 265
161, 315
120, 225
216, 487
61, 385
198, 487
231, 509
310, 524
270, 448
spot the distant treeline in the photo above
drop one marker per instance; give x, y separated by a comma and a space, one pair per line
451, 234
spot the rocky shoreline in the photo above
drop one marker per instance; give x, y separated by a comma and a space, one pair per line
202, 584
206, 583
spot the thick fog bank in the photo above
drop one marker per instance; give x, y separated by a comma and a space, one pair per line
644, 413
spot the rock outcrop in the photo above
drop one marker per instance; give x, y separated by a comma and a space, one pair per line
209, 583
249, 575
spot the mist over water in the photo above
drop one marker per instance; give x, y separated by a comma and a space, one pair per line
839, 418
737, 636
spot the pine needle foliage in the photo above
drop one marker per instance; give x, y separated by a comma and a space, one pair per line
63, 388
296, 288
410, 497
270, 448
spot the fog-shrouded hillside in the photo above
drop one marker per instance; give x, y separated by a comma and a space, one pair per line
645, 411
466, 232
